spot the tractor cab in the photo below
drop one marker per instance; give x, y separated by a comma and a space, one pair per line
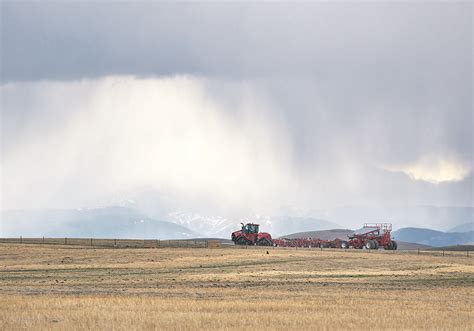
250, 228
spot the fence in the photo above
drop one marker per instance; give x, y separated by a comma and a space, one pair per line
116, 243
432, 252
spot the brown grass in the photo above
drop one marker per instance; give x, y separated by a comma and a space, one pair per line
62, 287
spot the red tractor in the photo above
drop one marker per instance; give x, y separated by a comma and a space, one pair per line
249, 235
372, 236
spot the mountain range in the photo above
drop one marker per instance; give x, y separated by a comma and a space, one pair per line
433, 237
433, 217
125, 222
109, 222
466, 227
222, 227
216, 220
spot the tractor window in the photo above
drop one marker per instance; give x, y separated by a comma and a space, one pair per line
253, 228
250, 228
247, 228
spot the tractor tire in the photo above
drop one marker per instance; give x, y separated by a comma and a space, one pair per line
264, 242
344, 245
241, 241
394, 245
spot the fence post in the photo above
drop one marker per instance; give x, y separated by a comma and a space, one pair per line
43, 239
418, 251
65, 241
21, 239
91, 241
115, 242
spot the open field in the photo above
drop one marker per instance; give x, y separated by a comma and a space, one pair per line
59, 287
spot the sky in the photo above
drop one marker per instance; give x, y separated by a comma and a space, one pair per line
236, 108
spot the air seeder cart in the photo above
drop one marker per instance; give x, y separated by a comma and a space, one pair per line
372, 236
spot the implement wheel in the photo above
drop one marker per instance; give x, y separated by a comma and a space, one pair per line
376, 244
369, 244
394, 245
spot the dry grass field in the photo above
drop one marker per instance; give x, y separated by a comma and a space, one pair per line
65, 287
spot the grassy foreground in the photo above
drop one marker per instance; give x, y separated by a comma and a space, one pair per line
59, 287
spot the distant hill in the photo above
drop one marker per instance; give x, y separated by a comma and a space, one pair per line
432, 237
466, 227
325, 234
109, 222
403, 245
400, 216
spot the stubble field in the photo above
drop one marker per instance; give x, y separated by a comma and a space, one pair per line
61, 287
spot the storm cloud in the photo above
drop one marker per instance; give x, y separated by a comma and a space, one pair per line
237, 107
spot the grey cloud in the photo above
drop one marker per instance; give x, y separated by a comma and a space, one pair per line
358, 88
379, 41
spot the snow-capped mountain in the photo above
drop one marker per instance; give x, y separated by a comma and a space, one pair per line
222, 227
210, 222
109, 222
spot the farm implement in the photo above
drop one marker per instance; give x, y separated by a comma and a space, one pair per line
371, 236
308, 242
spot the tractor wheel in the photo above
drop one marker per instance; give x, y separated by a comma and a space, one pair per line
344, 244
264, 242
394, 245
241, 241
